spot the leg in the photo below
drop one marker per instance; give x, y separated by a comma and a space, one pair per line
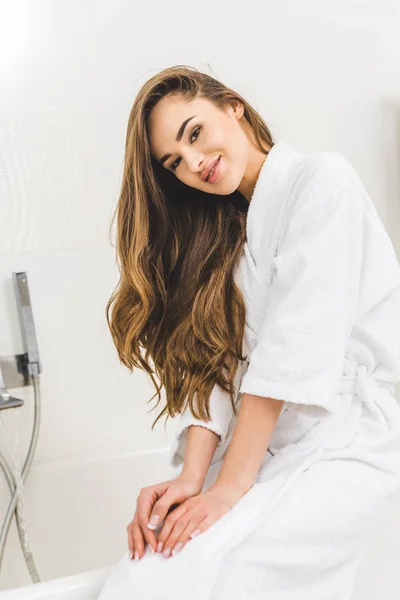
313, 541
146, 579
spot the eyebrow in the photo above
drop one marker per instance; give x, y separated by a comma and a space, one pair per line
178, 138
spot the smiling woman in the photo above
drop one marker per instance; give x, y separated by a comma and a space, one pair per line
275, 333
194, 148
211, 135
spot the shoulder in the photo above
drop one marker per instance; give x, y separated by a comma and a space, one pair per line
326, 193
326, 171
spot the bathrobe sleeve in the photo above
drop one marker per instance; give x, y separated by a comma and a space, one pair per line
221, 413
312, 301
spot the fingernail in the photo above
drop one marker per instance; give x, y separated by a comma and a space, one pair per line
136, 555
167, 552
160, 546
177, 548
152, 524
151, 549
195, 533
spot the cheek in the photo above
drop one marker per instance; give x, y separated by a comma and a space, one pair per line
215, 138
228, 141
222, 140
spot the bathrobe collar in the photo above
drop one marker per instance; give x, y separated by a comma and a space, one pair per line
274, 180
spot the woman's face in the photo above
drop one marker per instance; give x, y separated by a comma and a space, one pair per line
209, 134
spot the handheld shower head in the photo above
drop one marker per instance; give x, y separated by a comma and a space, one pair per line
27, 325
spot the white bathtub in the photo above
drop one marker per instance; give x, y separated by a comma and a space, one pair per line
76, 515
74, 554
85, 586
378, 579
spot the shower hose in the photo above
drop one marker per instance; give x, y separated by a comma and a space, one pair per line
15, 485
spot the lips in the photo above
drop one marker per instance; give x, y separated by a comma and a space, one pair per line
205, 173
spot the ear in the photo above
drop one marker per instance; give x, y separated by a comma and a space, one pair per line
238, 108
234, 107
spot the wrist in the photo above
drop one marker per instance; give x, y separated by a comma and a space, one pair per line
193, 477
234, 488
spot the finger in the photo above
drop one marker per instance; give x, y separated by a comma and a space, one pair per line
144, 504
138, 540
192, 530
189, 526
166, 503
169, 525
148, 498
131, 543
149, 536
201, 527
175, 540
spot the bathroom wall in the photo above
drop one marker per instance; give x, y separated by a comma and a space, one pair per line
323, 74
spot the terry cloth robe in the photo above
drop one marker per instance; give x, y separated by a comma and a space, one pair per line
321, 283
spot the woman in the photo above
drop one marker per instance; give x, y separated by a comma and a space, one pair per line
266, 293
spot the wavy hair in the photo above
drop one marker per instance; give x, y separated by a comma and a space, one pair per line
176, 311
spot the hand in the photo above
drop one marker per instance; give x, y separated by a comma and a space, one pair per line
157, 499
196, 515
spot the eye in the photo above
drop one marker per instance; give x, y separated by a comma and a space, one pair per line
197, 130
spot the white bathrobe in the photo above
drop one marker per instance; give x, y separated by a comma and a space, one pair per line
321, 283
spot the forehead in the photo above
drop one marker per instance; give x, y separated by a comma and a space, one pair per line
166, 118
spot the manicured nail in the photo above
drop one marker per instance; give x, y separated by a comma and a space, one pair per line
160, 546
177, 548
167, 552
152, 524
136, 555
195, 533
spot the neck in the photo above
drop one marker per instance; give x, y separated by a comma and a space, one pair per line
254, 163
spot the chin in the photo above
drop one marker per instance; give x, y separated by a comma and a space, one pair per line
226, 192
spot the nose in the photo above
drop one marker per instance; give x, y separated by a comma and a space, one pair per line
195, 161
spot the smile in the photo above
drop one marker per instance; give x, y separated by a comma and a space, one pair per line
213, 175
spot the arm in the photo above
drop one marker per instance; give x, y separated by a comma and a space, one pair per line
217, 429
200, 449
310, 312
256, 420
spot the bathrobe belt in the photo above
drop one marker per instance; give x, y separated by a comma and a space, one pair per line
282, 471
337, 431
362, 387
361, 383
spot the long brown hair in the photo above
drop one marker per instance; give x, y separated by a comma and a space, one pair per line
176, 311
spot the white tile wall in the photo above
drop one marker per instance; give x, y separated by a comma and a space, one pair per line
323, 75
